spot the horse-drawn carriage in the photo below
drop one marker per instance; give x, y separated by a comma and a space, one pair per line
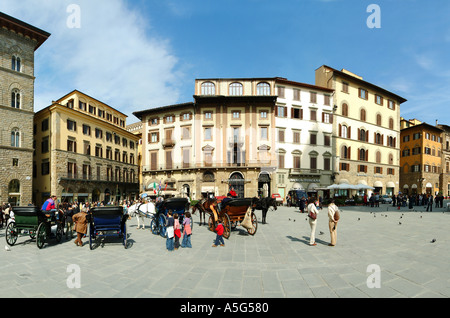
233, 211
177, 205
107, 221
37, 223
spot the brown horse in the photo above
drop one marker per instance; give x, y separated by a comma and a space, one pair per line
204, 206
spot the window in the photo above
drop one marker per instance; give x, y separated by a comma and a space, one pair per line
379, 100
86, 130
98, 133
281, 161
81, 105
264, 134
44, 125
186, 133
313, 163
208, 88
362, 135
263, 114
208, 133
186, 116
71, 125
108, 136
281, 111
344, 131
263, 89
378, 120
363, 115
327, 164
208, 115
45, 168
236, 114
15, 138
280, 135
153, 137
345, 152
92, 110
362, 93
326, 100
280, 91
16, 63
71, 145
313, 115
98, 151
313, 97
235, 89
296, 94
296, 137
378, 139
296, 159
344, 87
153, 121
391, 104
71, 170
313, 139
344, 110
327, 140
169, 119
87, 148
391, 123
297, 113
186, 157
15, 98
44, 145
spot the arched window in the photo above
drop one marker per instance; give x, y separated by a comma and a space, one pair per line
208, 176
16, 63
344, 110
344, 131
208, 88
362, 155
378, 157
391, 123
15, 98
363, 115
15, 138
345, 153
362, 135
235, 89
263, 89
378, 120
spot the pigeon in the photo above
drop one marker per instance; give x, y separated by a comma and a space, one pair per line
433, 240
7, 248
399, 223
359, 219
321, 233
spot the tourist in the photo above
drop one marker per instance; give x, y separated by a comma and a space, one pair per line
169, 230
219, 238
177, 230
187, 231
312, 214
332, 221
80, 221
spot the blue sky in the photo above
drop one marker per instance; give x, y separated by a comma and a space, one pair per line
135, 55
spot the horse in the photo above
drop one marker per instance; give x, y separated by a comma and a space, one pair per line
263, 204
205, 205
141, 211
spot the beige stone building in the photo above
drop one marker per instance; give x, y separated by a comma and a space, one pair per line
18, 42
83, 152
221, 140
366, 131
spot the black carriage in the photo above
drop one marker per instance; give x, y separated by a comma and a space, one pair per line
37, 223
177, 205
108, 221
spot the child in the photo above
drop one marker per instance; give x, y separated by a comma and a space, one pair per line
169, 230
187, 231
219, 237
177, 230
80, 226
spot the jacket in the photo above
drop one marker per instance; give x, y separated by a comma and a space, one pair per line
219, 229
80, 222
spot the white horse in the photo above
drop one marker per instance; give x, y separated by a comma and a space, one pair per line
142, 211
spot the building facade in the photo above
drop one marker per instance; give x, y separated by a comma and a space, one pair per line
19, 41
421, 158
223, 140
445, 175
366, 131
304, 134
83, 152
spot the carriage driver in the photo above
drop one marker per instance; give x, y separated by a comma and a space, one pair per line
50, 205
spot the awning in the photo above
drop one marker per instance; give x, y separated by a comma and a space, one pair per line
390, 184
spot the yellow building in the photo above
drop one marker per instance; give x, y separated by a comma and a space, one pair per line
421, 158
83, 152
366, 131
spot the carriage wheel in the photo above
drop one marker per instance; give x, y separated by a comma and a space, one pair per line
124, 233
41, 235
162, 225
59, 232
154, 227
226, 226
11, 233
91, 236
211, 223
252, 231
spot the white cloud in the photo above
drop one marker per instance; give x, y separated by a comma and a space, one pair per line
115, 56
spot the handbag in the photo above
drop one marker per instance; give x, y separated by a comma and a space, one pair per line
312, 215
170, 231
337, 216
247, 222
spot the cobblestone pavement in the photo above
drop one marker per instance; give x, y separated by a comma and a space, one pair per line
275, 263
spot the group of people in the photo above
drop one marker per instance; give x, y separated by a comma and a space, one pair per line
333, 218
173, 231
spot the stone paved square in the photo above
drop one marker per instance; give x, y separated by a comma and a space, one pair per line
275, 263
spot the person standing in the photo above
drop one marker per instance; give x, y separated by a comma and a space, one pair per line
177, 231
430, 203
80, 226
332, 221
312, 214
169, 230
187, 231
219, 237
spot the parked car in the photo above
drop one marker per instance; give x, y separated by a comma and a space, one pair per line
278, 198
386, 199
